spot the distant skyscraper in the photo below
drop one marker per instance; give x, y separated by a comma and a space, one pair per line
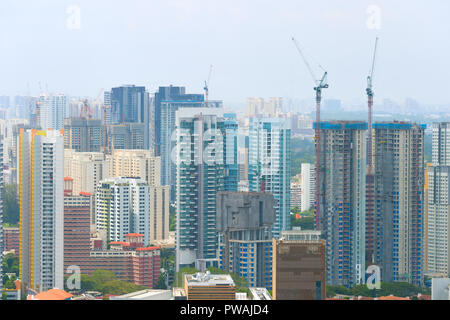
83, 135
52, 111
244, 220
164, 94
308, 186
122, 207
438, 218
167, 104
342, 203
399, 199
127, 136
200, 156
107, 117
41, 195
130, 104
254, 106
270, 165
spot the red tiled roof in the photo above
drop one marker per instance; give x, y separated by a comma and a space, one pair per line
52, 294
134, 235
392, 298
120, 242
82, 193
148, 249
68, 178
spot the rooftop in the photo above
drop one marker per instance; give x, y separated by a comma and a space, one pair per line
208, 279
52, 294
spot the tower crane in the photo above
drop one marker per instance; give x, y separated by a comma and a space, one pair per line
206, 88
370, 172
319, 85
369, 91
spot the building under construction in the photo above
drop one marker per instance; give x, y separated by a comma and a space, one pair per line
341, 211
83, 135
399, 198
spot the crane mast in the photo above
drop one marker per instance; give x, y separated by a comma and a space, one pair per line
206, 88
370, 174
319, 85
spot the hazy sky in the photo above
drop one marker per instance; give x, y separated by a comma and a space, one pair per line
161, 42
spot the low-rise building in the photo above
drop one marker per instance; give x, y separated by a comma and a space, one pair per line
207, 286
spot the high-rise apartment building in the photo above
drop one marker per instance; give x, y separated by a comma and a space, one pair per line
136, 163
77, 228
437, 221
83, 135
106, 117
52, 111
159, 212
296, 195
41, 195
200, 162
308, 186
86, 169
270, 166
122, 207
299, 269
342, 200
244, 221
11, 239
399, 198
167, 133
142, 163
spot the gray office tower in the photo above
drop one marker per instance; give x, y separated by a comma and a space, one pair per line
167, 101
342, 200
399, 199
130, 104
244, 221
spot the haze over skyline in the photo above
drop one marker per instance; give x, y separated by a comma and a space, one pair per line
155, 43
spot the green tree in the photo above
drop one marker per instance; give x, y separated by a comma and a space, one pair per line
302, 151
172, 218
99, 277
161, 284
240, 282
180, 274
305, 223
4, 296
11, 209
11, 264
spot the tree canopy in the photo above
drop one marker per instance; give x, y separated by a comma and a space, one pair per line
106, 282
11, 208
